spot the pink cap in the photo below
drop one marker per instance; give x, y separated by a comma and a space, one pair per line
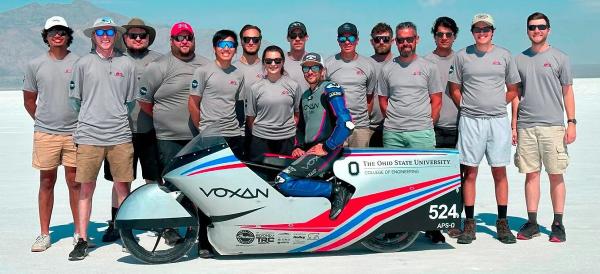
179, 27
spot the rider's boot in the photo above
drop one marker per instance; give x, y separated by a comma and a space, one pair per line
341, 196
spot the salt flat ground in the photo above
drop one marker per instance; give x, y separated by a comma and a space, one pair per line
19, 220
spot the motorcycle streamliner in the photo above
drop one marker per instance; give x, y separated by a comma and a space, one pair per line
396, 194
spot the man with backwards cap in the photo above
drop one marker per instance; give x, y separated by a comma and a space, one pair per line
318, 145
46, 101
477, 79
138, 37
358, 75
102, 91
297, 37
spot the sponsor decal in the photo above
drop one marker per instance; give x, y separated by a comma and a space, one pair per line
312, 236
245, 237
194, 83
244, 193
284, 238
299, 238
143, 91
119, 74
265, 238
72, 85
332, 94
496, 62
333, 85
310, 106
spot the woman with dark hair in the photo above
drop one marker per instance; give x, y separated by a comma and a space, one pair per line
272, 108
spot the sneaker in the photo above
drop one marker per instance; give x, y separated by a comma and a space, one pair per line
76, 237
503, 232
110, 234
205, 253
558, 234
468, 234
435, 236
41, 243
341, 196
171, 237
454, 232
528, 231
79, 251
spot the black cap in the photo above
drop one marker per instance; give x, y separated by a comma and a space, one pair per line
347, 28
296, 25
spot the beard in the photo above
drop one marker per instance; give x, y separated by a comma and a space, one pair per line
178, 51
383, 50
139, 51
407, 53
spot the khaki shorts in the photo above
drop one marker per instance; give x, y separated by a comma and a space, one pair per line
360, 137
541, 144
52, 150
90, 157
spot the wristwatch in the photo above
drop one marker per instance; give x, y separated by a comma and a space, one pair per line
574, 121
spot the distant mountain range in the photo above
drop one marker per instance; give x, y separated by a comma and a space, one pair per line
21, 29
22, 42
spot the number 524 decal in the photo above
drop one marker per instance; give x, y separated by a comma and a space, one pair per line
442, 212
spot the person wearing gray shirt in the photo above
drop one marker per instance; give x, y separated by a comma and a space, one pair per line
46, 101
541, 138
297, 37
381, 40
478, 77
357, 75
409, 95
138, 38
102, 91
165, 89
272, 108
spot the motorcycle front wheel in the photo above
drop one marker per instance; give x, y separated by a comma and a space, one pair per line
390, 242
149, 245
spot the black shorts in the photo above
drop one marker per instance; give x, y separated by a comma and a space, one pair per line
376, 137
446, 137
260, 146
167, 149
145, 149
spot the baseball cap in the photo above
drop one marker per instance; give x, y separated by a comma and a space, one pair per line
296, 25
312, 57
347, 28
55, 21
483, 17
179, 27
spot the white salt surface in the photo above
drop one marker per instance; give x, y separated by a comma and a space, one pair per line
19, 220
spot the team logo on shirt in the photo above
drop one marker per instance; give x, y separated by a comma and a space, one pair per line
417, 72
496, 62
68, 70
119, 74
359, 72
547, 65
285, 92
259, 76
143, 91
72, 85
194, 83
233, 82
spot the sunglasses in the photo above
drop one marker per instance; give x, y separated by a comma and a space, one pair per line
401, 40
314, 68
142, 35
226, 44
343, 39
440, 34
180, 38
255, 40
540, 27
277, 61
54, 32
381, 39
481, 30
296, 35
107, 32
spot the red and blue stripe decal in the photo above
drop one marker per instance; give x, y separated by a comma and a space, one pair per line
227, 162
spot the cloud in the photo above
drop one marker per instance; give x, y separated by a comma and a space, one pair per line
589, 4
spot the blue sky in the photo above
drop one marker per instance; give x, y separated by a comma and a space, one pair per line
572, 21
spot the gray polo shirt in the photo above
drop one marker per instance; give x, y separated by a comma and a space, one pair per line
139, 121
104, 87
483, 76
49, 78
220, 89
358, 78
376, 117
166, 83
543, 75
408, 86
449, 112
294, 70
273, 104
252, 73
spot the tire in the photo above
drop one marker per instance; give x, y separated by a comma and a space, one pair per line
390, 242
172, 253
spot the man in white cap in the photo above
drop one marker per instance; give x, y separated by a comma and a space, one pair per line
102, 92
46, 101
138, 37
477, 79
